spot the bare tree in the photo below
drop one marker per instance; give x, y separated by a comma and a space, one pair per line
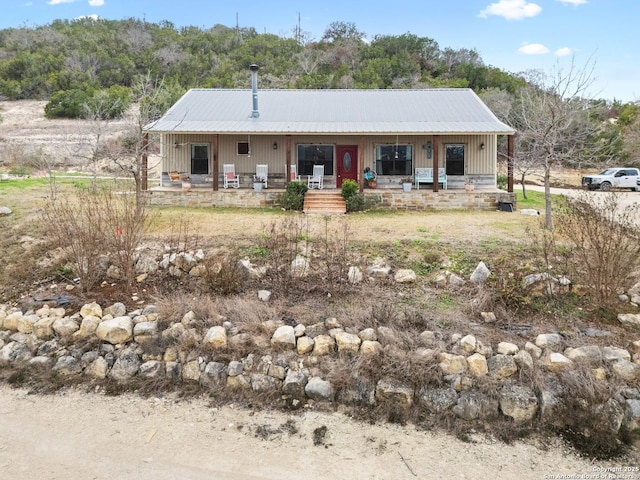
551, 115
152, 98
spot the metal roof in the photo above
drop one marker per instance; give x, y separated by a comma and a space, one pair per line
362, 112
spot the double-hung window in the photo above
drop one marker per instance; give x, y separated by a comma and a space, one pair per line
199, 159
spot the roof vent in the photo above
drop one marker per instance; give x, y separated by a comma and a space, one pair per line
254, 89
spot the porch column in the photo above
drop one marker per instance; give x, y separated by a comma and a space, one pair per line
361, 145
510, 148
288, 160
144, 168
216, 166
436, 149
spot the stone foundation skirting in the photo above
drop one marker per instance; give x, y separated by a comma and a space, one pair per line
386, 199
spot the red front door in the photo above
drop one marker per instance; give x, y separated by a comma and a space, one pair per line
347, 162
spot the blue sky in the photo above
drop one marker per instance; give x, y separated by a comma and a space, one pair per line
513, 35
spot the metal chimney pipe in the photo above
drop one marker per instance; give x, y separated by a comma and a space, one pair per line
254, 89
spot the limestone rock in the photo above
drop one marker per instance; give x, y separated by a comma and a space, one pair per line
67, 365
631, 320
261, 382
323, 345
216, 338
369, 334
97, 369
305, 345
477, 365
549, 340
518, 402
214, 375
438, 400
348, 342
480, 274
355, 275
452, 364
405, 275
632, 414
394, 392
294, 384
239, 382
506, 348
191, 371
488, 317
370, 346
626, 370
26, 322
556, 362
91, 309
115, 331
284, 337
43, 328
145, 332
474, 405
126, 366
152, 369
116, 310
11, 321
523, 360
319, 389
613, 354
235, 368
65, 327
534, 350
468, 344
299, 267
502, 366
589, 354
264, 295
88, 327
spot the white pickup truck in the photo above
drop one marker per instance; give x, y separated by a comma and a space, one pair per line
613, 178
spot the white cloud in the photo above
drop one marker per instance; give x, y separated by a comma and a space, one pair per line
58, 2
533, 49
512, 9
96, 3
573, 2
93, 17
563, 52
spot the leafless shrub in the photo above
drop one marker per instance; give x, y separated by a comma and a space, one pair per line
283, 241
87, 225
588, 410
222, 275
604, 240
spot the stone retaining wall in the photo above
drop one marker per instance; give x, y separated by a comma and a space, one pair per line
114, 343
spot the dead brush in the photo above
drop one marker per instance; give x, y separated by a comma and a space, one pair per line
222, 275
586, 410
603, 243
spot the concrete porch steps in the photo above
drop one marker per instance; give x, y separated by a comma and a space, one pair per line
324, 202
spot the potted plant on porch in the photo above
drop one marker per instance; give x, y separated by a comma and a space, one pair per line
370, 178
406, 184
257, 183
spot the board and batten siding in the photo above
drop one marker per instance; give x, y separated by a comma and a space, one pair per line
176, 150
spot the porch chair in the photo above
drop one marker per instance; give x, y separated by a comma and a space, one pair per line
442, 177
294, 174
174, 176
317, 179
230, 177
262, 173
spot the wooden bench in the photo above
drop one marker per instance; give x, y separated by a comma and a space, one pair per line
425, 175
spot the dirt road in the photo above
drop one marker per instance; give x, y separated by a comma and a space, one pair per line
89, 436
